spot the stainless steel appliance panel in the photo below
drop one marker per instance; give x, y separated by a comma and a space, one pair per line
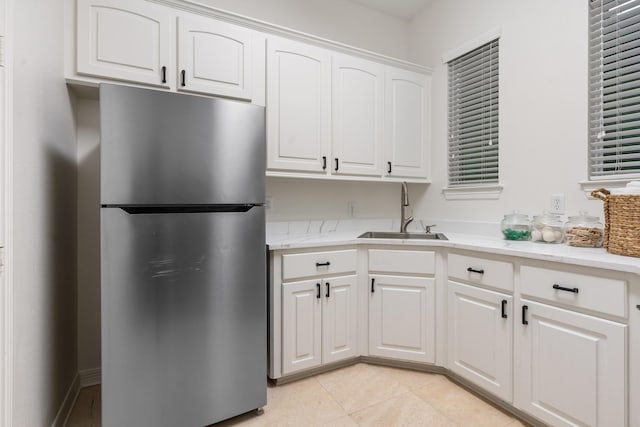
183, 317
166, 148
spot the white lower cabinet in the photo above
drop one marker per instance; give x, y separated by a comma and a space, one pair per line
318, 322
480, 338
402, 317
571, 368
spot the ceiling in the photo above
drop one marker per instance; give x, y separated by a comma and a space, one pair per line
404, 9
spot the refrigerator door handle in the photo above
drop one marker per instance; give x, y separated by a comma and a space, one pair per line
173, 209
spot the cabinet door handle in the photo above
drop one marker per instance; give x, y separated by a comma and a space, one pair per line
473, 270
504, 308
373, 282
164, 74
524, 314
562, 288
638, 306
337, 164
389, 168
183, 78
318, 289
323, 264
328, 286
324, 162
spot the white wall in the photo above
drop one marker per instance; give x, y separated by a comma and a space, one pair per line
543, 101
338, 20
88, 133
43, 231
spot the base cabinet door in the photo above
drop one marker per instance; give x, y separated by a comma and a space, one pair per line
481, 337
126, 40
339, 317
402, 317
571, 367
301, 325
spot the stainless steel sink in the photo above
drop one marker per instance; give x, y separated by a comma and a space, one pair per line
395, 235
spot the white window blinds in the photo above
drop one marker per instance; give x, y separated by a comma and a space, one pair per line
473, 117
614, 89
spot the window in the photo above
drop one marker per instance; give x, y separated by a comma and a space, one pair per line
473, 117
614, 89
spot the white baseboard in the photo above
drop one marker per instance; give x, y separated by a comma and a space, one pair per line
67, 404
91, 376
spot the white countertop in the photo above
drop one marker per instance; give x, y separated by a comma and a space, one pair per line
311, 234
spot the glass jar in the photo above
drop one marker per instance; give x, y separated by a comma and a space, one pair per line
516, 226
584, 231
547, 228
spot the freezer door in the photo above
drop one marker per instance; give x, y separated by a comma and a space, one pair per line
167, 148
183, 317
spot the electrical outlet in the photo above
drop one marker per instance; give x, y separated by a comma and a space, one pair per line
557, 203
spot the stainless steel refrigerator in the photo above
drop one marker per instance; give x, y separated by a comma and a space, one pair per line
183, 258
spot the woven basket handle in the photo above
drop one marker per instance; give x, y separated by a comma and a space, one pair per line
600, 193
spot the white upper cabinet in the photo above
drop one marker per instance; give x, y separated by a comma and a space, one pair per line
406, 123
298, 118
358, 115
214, 57
126, 40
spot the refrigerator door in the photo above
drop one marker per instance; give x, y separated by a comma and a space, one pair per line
183, 317
164, 148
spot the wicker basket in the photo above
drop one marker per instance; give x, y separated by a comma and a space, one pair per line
622, 222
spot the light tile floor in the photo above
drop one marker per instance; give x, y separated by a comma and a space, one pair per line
358, 395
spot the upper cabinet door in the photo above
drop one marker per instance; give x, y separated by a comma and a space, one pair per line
298, 85
214, 57
358, 115
126, 40
406, 123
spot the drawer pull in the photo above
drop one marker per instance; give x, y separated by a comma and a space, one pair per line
473, 270
318, 287
562, 288
323, 264
524, 314
328, 286
373, 281
504, 308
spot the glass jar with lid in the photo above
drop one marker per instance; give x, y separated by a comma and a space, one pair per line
584, 231
516, 226
547, 228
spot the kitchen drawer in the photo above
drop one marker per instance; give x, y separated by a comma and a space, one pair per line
483, 271
402, 262
590, 292
318, 263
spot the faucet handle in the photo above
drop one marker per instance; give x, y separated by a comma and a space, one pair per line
427, 228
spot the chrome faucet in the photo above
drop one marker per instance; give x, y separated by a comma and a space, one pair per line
404, 202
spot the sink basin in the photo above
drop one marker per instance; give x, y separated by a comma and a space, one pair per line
396, 235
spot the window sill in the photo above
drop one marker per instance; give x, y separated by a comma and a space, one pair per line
589, 186
479, 192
